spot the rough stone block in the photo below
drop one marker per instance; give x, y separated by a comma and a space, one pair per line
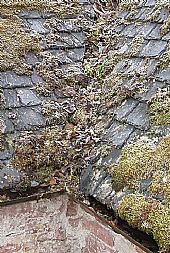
155, 33
28, 118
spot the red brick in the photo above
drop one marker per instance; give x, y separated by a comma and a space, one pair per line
71, 208
99, 231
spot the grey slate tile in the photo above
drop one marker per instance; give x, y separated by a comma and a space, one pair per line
155, 33
30, 14
11, 99
31, 59
76, 54
125, 109
37, 25
67, 25
130, 30
9, 127
27, 97
10, 79
154, 48
35, 78
150, 3
112, 157
164, 75
146, 29
143, 14
67, 40
104, 190
139, 116
151, 91
164, 14
97, 179
166, 36
61, 56
28, 119
117, 134
122, 14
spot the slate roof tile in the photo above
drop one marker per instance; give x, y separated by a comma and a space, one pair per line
154, 48
117, 134
139, 117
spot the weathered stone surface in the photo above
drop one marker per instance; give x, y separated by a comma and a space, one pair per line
30, 14
117, 134
11, 99
150, 3
97, 179
31, 59
67, 40
37, 25
154, 48
10, 79
164, 75
139, 117
125, 109
155, 33
9, 177
150, 91
104, 190
28, 118
164, 13
27, 97
111, 158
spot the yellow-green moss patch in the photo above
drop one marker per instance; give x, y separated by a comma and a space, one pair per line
148, 216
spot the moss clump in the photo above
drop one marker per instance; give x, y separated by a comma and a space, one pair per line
15, 43
164, 63
160, 108
55, 150
148, 216
165, 27
139, 161
11, 7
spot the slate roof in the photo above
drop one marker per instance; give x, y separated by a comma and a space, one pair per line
21, 109
144, 29
144, 22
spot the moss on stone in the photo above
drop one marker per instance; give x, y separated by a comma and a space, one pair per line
139, 161
149, 216
160, 108
15, 43
165, 27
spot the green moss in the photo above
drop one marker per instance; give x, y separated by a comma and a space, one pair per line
138, 161
165, 27
15, 43
148, 216
160, 108
164, 63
